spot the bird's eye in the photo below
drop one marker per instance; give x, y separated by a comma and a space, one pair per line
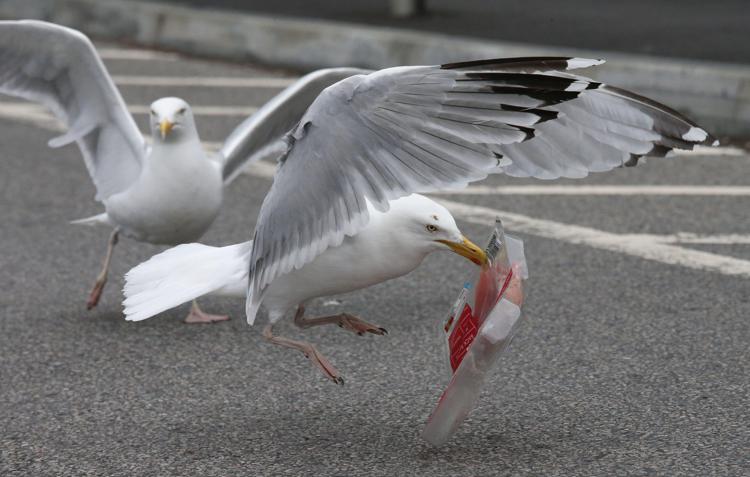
181, 111
431, 228
153, 113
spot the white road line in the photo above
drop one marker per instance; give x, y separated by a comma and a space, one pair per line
210, 81
30, 113
627, 244
136, 54
602, 190
697, 239
22, 110
212, 146
203, 110
264, 168
39, 117
712, 151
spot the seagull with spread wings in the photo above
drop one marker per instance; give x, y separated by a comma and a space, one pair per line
168, 192
342, 214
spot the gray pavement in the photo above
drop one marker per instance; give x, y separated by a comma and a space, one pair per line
625, 366
713, 31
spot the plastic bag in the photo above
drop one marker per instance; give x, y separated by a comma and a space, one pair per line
478, 329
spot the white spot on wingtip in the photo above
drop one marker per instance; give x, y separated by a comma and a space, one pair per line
695, 134
576, 63
504, 162
577, 86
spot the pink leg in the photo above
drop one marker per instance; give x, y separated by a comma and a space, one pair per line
101, 279
308, 350
196, 315
344, 320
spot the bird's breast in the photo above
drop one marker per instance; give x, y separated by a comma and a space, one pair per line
175, 200
357, 263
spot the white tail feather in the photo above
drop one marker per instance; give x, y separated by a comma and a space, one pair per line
181, 274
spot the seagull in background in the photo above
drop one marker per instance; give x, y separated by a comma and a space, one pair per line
168, 192
342, 214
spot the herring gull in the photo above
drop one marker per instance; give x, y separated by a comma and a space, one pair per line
341, 213
168, 192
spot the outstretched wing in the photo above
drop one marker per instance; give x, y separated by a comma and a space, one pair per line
276, 118
414, 129
59, 68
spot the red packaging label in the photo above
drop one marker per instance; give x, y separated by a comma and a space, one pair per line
462, 336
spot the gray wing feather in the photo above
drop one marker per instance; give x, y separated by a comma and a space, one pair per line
414, 129
59, 68
276, 118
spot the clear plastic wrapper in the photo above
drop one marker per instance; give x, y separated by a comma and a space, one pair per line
477, 330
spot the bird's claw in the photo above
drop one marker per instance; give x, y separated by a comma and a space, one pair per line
323, 364
360, 326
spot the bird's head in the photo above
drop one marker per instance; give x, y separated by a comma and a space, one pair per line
432, 228
171, 119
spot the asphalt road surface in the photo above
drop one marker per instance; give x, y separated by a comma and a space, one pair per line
713, 31
633, 359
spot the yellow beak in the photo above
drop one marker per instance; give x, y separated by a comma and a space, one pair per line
467, 249
165, 126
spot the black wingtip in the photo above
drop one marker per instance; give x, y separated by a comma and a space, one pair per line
659, 151
529, 132
525, 80
542, 62
633, 161
708, 140
544, 114
545, 96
